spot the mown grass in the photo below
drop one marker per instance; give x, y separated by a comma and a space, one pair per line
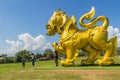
46, 70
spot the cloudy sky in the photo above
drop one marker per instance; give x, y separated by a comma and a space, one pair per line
22, 22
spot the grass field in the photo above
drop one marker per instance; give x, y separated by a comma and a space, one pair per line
46, 70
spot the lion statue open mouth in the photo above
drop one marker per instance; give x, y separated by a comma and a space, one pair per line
92, 39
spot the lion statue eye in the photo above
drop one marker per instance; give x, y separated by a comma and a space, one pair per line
48, 26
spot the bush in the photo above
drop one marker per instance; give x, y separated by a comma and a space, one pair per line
2, 61
7, 60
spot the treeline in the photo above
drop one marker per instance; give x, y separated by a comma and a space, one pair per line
47, 54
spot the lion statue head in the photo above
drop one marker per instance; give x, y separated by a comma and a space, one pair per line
57, 22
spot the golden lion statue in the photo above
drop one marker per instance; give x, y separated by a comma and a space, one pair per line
92, 39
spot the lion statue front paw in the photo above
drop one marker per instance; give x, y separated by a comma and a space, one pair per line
67, 63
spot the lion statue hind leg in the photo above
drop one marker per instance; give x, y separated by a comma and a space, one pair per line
110, 51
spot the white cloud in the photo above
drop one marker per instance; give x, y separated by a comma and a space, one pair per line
27, 42
114, 32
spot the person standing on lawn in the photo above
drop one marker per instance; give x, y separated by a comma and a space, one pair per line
56, 58
33, 59
23, 61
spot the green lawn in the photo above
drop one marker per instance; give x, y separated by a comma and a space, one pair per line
46, 70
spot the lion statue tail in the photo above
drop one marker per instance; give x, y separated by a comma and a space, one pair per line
89, 16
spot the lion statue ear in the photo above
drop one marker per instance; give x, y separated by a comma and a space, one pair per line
73, 19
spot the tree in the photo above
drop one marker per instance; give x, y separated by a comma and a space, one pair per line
49, 54
22, 53
38, 55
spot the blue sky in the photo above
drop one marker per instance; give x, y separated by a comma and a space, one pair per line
22, 22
